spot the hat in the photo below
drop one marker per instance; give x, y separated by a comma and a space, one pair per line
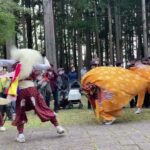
60, 69
119, 63
93, 62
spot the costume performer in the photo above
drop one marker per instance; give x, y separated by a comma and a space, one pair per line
109, 89
144, 72
28, 97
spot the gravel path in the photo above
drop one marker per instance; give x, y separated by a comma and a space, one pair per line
121, 136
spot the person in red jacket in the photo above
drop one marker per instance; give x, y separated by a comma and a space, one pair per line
52, 79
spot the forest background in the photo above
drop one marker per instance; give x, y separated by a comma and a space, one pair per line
76, 31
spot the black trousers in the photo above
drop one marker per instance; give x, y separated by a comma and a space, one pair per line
133, 102
89, 105
147, 100
6, 109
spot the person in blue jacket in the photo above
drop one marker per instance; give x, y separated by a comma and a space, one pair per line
73, 76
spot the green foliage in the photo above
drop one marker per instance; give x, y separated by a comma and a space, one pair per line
81, 5
7, 26
9, 6
80, 9
7, 19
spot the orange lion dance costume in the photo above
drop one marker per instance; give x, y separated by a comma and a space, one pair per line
144, 72
109, 89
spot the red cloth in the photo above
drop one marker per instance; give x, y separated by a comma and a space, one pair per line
1, 120
20, 128
32, 76
30, 99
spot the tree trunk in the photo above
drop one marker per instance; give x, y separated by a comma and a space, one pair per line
49, 32
88, 50
97, 33
24, 28
106, 41
40, 31
148, 24
29, 24
24, 33
139, 33
146, 53
110, 33
79, 53
74, 61
34, 25
9, 45
118, 34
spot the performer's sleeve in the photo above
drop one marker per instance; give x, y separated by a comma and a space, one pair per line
41, 67
7, 62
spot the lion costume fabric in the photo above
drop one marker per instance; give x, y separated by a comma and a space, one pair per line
144, 72
109, 89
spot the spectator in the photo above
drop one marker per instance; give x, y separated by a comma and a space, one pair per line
4, 83
13, 110
51, 75
145, 61
130, 64
73, 76
106, 63
119, 64
44, 87
148, 60
83, 71
94, 64
63, 87
62, 80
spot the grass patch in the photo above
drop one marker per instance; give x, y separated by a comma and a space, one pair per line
69, 117
129, 115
